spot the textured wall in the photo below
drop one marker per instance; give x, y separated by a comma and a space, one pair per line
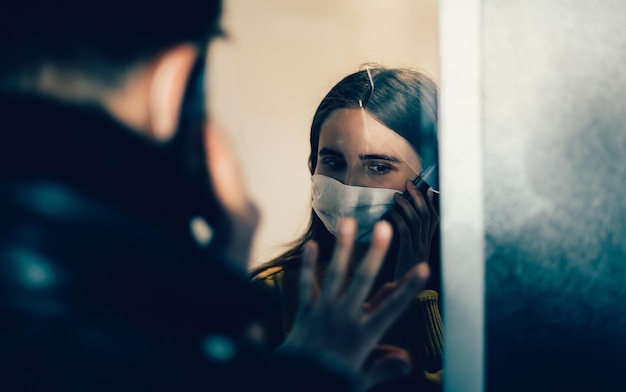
554, 138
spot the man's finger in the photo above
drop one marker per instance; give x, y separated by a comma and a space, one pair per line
336, 272
380, 296
408, 288
370, 265
385, 363
308, 281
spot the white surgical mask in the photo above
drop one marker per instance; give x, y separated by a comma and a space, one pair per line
333, 200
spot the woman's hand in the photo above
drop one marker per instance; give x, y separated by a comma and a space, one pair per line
335, 322
415, 221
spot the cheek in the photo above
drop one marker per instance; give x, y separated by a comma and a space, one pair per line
398, 183
334, 175
225, 173
322, 169
398, 180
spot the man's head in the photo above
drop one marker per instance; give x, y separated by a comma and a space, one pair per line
137, 62
130, 58
102, 39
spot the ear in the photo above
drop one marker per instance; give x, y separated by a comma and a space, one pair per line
169, 78
228, 185
311, 167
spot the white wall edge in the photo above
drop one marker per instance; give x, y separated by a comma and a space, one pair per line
462, 223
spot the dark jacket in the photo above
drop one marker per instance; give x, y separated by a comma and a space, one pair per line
102, 286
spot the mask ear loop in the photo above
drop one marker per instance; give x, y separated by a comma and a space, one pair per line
369, 75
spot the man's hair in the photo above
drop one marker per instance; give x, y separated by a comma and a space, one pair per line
99, 38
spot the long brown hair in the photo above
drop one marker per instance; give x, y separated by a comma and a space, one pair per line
404, 100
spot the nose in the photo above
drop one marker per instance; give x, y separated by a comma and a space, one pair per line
355, 178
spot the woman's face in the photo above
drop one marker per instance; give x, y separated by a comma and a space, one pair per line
356, 149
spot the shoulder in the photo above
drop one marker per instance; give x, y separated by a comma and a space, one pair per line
283, 267
284, 278
270, 273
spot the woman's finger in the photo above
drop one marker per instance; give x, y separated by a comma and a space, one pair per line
368, 269
421, 207
434, 215
418, 199
411, 216
336, 273
405, 258
403, 228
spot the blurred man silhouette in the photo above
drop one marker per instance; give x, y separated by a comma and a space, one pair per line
123, 258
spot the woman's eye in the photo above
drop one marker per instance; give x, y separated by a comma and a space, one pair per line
377, 168
334, 164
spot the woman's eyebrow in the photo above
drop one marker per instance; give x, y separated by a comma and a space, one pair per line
381, 157
330, 151
364, 157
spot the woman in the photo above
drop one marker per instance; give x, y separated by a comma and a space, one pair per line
371, 137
